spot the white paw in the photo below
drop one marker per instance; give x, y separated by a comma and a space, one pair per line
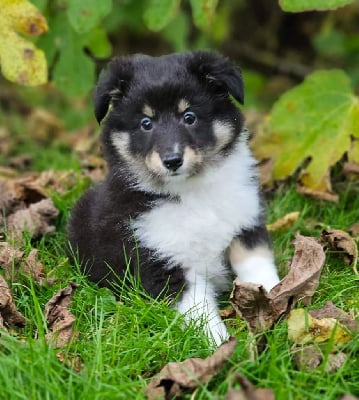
259, 270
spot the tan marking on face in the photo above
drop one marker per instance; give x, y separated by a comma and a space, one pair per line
238, 253
183, 105
121, 141
148, 111
191, 158
154, 162
223, 132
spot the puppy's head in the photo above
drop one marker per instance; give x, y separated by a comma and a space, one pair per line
168, 118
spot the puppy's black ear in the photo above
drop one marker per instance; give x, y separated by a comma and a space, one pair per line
218, 72
112, 85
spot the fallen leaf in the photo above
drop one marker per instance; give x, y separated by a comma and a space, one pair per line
43, 126
335, 361
354, 230
35, 220
311, 357
328, 195
176, 378
74, 362
248, 391
21, 162
349, 397
10, 259
261, 309
303, 328
34, 268
308, 357
329, 310
60, 320
285, 222
351, 168
18, 193
8, 311
338, 240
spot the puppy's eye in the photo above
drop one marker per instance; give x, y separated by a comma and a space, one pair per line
146, 123
189, 118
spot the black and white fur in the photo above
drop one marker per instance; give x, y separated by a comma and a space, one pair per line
181, 206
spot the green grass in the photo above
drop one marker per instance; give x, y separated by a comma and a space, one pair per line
123, 343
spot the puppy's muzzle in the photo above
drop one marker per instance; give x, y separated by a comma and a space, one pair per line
173, 161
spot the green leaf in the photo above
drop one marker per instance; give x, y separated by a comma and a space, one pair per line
178, 32
203, 12
314, 121
74, 72
307, 5
159, 13
97, 42
85, 15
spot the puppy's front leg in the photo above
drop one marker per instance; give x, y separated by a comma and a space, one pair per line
252, 259
198, 304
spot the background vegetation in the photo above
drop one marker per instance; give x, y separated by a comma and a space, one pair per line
282, 55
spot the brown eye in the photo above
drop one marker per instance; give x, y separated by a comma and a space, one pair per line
146, 123
189, 118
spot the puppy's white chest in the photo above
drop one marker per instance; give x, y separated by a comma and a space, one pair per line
195, 231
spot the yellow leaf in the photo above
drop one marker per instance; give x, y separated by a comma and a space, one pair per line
303, 328
20, 60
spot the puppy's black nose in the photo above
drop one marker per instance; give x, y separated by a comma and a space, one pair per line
173, 161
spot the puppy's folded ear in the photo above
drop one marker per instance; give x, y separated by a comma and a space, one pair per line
112, 85
218, 72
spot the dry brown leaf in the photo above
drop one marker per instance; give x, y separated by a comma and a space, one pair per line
349, 397
311, 357
18, 193
60, 319
285, 222
35, 220
8, 311
10, 259
261, 309
43, 125
21, 162
351, 168
327, 196
341, 241
176, 378
248, 391
74, 362
307, 358
34, 268
354, 230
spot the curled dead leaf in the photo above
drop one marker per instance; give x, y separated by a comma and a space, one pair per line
285, 222
60, 319
341, 241
317, 194
176, 378
248, 391
35, 220
310, 357
261, 309
8, 311
10, 259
